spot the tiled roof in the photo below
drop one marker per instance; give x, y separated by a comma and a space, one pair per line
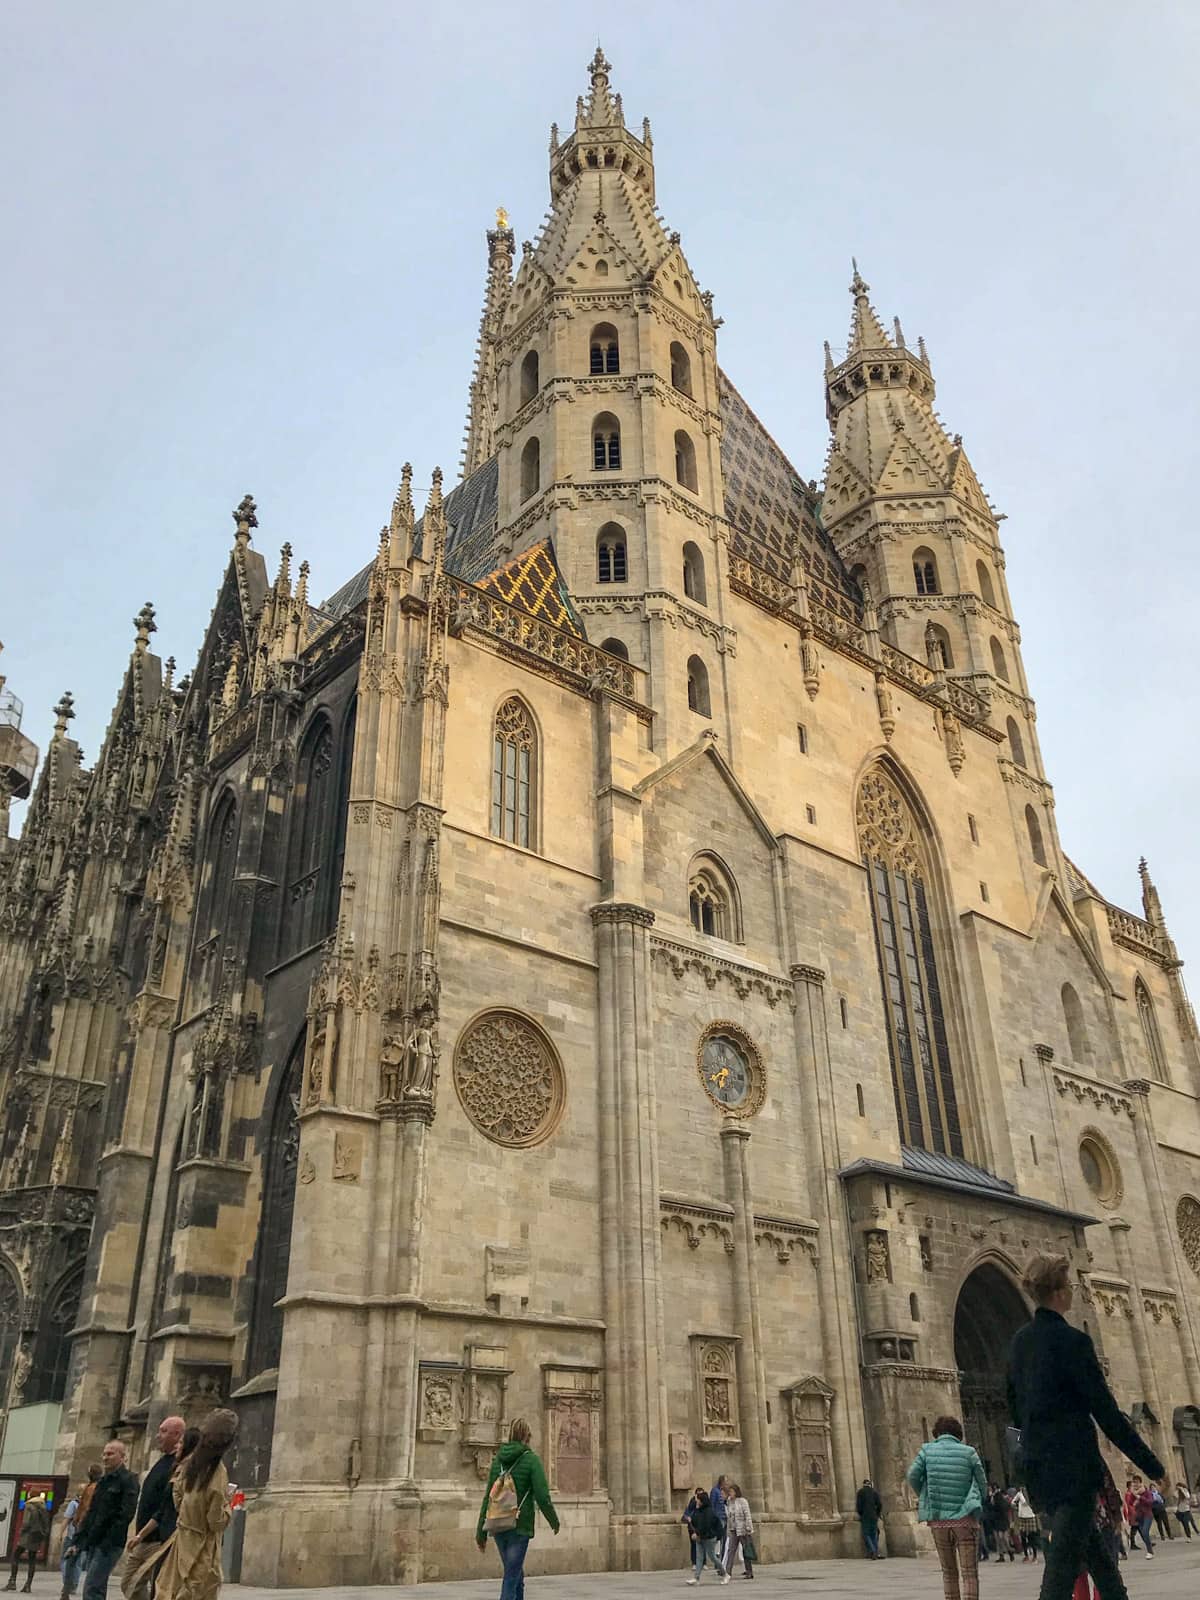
952, 1168
533, 582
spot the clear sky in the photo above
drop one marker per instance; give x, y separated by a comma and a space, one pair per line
245, 251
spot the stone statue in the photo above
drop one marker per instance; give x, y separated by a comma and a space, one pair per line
422, 1057
877, 1258
391, 1061
22, 1362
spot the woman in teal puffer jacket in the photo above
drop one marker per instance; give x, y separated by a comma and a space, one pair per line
949, 1478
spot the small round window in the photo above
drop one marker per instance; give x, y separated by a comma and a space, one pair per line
1099, 1166
730, 1070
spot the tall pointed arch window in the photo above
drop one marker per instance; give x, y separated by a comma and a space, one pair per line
274, 1249
306, 912
1154, 1049
222, 855
10, 1318
514, 774
52, 1349
895, 853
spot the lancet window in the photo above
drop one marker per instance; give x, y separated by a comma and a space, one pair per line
1154, 1049
514, 773
310, 894
273, 1256
895, 853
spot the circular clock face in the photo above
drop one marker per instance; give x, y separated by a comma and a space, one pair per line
726, 1071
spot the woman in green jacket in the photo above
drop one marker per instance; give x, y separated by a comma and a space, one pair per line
529, 1480
949, 1478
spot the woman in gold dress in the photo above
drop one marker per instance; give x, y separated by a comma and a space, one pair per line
192, 1568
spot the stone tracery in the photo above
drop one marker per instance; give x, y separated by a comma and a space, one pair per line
509, 1079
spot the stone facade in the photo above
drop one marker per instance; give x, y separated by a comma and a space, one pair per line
461, 999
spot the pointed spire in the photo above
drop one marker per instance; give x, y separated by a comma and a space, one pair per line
600, 112
401, 530
866, 330
302, 587
145, 624
899, 334
599, 127
233, 673
1151, 904
434, 525
283, 582
168, 677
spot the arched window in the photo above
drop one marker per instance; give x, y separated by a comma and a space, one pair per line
52, 1350
925, 572
1035, 836
858, 576
895, 851
685, 462
999, 664
531, 468
937, 647
1154, 1049
697, 687
605, 353
611, 563
614, 647
606, 443
529, 376
341, 813
213, 921
1014, 741
514, 773
1077, 1037
681, 368
10, 1319
279, 1156
309, 897
987, 592
693, 574
602, 268
713, 906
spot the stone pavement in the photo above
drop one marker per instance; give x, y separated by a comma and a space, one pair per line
1174, 1574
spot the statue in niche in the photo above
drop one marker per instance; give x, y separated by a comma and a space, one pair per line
391, 1063
316, 1065
877, 1258
421, 1050
816, 1472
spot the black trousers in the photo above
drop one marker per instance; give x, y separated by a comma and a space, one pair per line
31, 1557
1076, 1542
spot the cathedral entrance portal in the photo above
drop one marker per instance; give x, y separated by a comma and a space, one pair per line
989, 1311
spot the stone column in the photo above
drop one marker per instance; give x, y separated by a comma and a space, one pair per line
836, 1299
1164, 1227
630, 1211
1119, 1229
752, 1380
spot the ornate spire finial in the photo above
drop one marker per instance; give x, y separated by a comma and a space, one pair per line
168, 675
866, 330
599, 67
63, 712
245, 516
302, 587
145, 624
1151, 904
283, 583
501, 217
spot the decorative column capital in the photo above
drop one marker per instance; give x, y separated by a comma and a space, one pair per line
802, 974
735, 1131
1119, 1225
1141, 1086
622, 911
1044, 1052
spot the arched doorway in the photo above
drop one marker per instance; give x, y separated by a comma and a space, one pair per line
1187, 1432
989, 1311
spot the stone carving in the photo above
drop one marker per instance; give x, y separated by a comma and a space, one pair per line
1101, 1098
1187, 1220
716, 1387
695, 1220
879, 1266
1159, 1305
509, 1079
682, 1473
439, 1410
22, 1365
680, 961
421, 1050
347, 1157
886, 828
808, 1407
307, 1170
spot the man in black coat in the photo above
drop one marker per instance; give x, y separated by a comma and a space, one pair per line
1055, 1389
154, 1521
102, 1532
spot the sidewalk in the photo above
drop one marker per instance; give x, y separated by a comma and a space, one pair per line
1174, 1574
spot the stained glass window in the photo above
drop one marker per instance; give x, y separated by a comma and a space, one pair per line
514, 745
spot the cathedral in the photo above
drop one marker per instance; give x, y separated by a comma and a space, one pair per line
612, 962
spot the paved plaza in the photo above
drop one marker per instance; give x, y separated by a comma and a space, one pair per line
1174, 1574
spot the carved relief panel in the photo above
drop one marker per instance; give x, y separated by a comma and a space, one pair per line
714, 1363
808, 1406
486, 1386
572, 1398
439, 1405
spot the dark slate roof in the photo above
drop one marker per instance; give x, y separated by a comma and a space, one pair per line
470, 527
953, 1168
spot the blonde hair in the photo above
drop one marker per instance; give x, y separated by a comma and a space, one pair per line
520, 1432
1045, 1275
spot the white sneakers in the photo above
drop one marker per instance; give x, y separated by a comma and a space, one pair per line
692, 1581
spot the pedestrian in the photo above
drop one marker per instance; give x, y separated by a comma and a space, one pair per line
1027, 1526
718, 1497
191, 1567
708, 1537
1143, 1511
35, 1529
1183, 1509
1055, 1390
1158, 1509
1001, 1517
154, 1520
868, 1508
1129, 1505
76, 1510
740, 1524
517, 1464
949, 1479
688, 1512
101, 1534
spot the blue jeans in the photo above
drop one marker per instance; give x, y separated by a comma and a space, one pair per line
512, 1547
99, 1564
706, 1549
870, 1536
72, 1569
1144, 1526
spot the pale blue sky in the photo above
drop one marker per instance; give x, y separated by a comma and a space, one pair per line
245, 251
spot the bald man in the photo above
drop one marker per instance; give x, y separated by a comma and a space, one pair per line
155, 1518
102, 1533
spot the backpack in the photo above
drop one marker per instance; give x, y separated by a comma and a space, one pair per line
504, 1506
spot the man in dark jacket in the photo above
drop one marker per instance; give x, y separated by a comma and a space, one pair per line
102, 1532
1055, 1389
868, 1508
155, 1519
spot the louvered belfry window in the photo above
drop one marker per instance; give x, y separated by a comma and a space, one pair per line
895, 854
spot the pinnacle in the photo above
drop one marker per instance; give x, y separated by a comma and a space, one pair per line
244, 515
64, 711
145, 624
866, 330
